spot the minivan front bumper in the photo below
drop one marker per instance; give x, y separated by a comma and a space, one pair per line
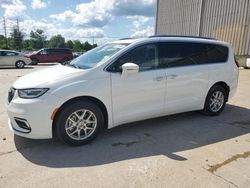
30, 118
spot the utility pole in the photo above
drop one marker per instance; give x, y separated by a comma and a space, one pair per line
18, 39
93, 40
17, 23
5, 33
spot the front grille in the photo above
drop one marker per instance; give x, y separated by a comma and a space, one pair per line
11, 94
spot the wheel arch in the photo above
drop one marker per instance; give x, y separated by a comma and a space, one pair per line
19, 61
89, 98
224, 85
34, 58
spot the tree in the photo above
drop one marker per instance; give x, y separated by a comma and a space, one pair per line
78, 47
16, 39
57, 41
27, 45
38, 39
70, 44
2, 42
87, 46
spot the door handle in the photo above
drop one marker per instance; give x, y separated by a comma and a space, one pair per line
172, 76
159, 78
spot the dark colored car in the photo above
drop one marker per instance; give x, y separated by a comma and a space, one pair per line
46, 55
77, 54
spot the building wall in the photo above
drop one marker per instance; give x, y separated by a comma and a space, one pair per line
227, 20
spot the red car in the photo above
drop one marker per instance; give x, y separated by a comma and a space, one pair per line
46, 55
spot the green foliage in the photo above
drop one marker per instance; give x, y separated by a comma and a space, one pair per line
38, 40
2, 42
27, 45
78, 47
87, 46
16, 39
70, 44
57, 41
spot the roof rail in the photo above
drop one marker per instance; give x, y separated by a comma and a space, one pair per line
182, 36
126, 38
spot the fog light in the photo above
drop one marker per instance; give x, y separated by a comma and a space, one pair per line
22, 123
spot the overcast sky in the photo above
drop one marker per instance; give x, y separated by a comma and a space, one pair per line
104, 19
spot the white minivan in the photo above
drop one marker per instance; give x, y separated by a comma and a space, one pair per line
121, 82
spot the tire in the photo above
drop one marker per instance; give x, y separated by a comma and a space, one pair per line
68, 126
215, 101
34, 61
20, 64
64, 61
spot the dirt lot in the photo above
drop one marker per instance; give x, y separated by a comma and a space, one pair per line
185, 150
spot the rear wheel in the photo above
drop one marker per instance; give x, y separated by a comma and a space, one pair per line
215, 100
79, 123
20, 64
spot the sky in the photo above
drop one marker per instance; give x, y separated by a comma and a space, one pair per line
103, 20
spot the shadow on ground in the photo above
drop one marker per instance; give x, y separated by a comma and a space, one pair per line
13, 67
161, 136
46, 64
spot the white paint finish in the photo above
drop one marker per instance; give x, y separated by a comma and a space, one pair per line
138, 96
248, 62
186, 88
127, 97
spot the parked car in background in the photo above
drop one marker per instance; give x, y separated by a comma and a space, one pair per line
121, 82
46, 55
77, 54
13, 58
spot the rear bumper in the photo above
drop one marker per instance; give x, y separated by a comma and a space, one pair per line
234, 84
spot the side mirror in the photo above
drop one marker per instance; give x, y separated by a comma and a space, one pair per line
130, 68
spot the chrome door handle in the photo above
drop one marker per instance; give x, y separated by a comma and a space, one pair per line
172, 76
159, 78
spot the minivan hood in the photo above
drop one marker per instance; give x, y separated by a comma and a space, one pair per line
45, 77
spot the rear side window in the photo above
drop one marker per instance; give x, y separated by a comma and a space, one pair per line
60, 51
9, 53
175, 54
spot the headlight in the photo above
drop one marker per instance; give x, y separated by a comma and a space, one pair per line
31, 93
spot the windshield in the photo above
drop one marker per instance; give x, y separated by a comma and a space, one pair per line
96, 56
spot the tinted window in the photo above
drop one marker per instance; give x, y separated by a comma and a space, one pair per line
2, 53
43, 52
55, 51
146, 57
174, 54
8, 53
59, 51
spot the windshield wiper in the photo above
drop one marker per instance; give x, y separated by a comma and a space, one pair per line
72, 65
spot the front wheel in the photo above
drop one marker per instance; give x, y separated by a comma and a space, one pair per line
34, 61
20, 64
215, 101
79, 123
64, 61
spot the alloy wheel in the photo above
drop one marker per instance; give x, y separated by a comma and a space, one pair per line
81, 124
216, 101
